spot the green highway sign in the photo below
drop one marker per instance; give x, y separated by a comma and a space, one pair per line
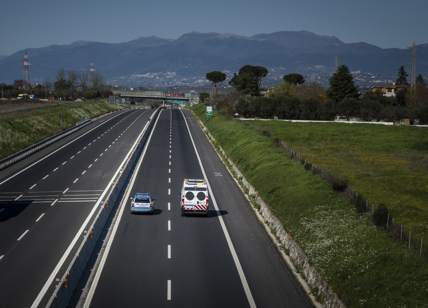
209, 110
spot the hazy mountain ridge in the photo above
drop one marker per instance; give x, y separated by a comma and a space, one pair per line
194, 54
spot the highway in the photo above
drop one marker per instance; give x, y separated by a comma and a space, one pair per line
166, 260
48, 199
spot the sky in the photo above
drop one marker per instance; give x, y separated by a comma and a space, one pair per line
34, 24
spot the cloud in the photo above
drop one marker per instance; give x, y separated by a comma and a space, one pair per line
343, 14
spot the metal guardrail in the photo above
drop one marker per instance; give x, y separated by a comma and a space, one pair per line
64, 289
35, 147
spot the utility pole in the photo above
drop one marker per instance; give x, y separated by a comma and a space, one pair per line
336, 63
26, 79
413, 63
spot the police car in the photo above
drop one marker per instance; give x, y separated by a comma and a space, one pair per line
194, 197
142, 203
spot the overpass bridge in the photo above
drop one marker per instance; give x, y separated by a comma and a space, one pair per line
142, 95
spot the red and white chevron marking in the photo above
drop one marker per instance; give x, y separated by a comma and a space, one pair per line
197, 207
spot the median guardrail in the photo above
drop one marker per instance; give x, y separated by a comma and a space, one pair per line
65, 287
35, 147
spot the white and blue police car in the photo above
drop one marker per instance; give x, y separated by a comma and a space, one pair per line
142, 203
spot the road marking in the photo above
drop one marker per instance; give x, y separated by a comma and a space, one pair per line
169, 151
169, 251
169, 156
95, 160
101, 154
60, 149
33, 186
90, 166
169, 171
169, 146
45, 177
83, 172
169, 206
54, 202
116, 225
169, 225
75, 180
56, 169
170, 142
16, 199
79, 152
40, 217
169, 180
98, 138
65, 191
71, 157
22, 235
223, 226
2, 210
109, 145
169, 191
105, 150
1, 257
168, 293
64, 163
170, 163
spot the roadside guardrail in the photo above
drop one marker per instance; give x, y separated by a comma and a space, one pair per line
35, 147
68, 282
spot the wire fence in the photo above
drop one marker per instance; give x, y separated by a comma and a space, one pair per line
380, 215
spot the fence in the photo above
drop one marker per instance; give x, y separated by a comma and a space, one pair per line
380, 215
68, 282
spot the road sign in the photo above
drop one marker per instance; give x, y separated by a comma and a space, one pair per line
209, 110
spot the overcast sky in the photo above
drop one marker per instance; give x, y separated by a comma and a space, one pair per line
384, 23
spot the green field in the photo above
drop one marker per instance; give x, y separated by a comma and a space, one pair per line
385, 164
364, 265
21, 129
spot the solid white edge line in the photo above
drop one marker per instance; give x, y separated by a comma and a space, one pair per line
22, 235
168, 292
40, 217
169, 251
78, 234
223, 226
115, 227
58, 149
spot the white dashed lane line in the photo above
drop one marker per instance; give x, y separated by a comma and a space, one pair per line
79, 152
169, 251
95, 160
170, 163
56, 169
90, 166
54, 202
33, 186
101, 154
169, 225
71, 157
1, 257
22, 235
40, 217
168, 293
64, 163
83, 172
45, 177
169, 170
75, 180
169, 206
15, 199
169, 180
169, 191
65, 191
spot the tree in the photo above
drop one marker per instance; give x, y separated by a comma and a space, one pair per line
249, 79
417, 97
349, 107
72, 78
370, 110
309, 109
294, 78
97, 80
83, 80
310, 90
61, 83
402, 77
242, 107
377, 96
203, 97
283, 89
215, 77
400, 97
420, 79
342, 85
18, 83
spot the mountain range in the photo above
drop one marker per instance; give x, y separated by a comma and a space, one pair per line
192, 55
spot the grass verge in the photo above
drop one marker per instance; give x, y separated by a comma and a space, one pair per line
365, 266
22, 129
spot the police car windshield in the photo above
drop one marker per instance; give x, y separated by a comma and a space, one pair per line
142, 200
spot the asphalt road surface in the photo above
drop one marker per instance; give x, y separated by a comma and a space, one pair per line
166, 260
47, 201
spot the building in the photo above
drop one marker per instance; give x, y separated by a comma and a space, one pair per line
390, 89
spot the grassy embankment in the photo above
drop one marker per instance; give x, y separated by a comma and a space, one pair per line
385, 164
24, 128
363, 265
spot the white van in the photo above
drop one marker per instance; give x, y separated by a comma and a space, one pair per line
194, 197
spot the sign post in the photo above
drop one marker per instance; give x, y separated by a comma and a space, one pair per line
209, 111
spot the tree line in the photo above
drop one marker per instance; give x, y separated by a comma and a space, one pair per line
67, 84
297, 100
